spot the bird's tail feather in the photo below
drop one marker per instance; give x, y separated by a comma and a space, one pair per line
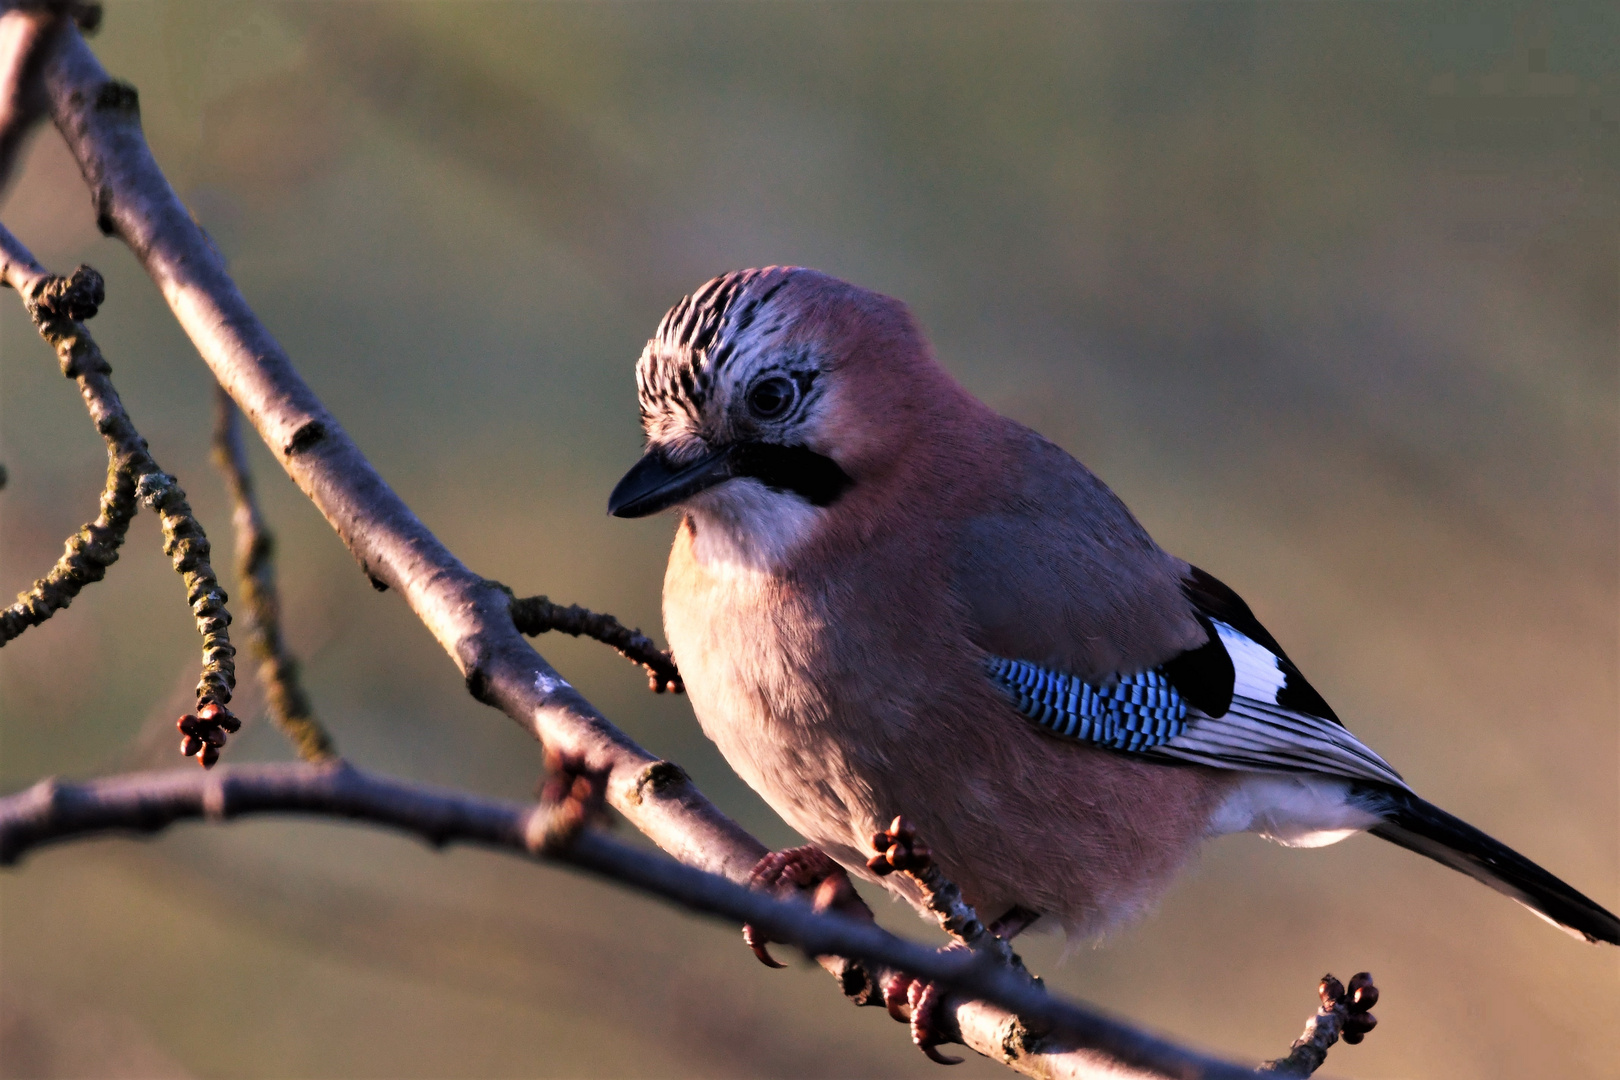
1428, 830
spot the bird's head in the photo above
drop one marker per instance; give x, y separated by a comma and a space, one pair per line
769, 394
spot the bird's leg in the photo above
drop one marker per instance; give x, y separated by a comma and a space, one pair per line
798, 869
1013, 922
915, 1001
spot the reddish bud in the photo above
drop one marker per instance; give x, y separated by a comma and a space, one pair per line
879, 865
208, 756
214, 737
190, 745
1331, 990
187, 725
209, 711
1363, 994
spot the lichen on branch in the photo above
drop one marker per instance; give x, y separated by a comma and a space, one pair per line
88, 554
59, 307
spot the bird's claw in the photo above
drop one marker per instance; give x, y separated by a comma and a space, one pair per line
898, 849
801, 868
919, 1004
758, 942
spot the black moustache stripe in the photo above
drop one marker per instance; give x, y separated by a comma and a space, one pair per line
798, 469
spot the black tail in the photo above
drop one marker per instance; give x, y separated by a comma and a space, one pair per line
1428, 830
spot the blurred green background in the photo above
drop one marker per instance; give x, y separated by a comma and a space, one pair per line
1328, 293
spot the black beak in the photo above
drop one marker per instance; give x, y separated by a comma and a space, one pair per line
653, 483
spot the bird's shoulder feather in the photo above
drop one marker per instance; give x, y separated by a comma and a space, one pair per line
1052, 568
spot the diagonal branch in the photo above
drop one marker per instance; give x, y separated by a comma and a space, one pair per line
467, 614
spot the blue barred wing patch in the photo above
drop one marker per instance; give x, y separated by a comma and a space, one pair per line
1137, 712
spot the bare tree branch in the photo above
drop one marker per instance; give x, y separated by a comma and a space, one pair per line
472, 619
290, 709
146, 802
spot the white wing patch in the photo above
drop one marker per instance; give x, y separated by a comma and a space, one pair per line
1258, 675
1258, 734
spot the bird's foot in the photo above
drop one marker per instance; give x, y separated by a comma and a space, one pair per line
573, 795
799, 869
921, 1005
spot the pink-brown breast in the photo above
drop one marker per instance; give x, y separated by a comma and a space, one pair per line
849, 690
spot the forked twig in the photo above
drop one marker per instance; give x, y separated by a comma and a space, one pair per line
59, 307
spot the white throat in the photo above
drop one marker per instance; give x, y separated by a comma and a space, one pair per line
744, 525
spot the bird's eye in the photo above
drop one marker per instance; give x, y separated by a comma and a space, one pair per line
772, 397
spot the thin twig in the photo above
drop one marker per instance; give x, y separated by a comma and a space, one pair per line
88, 554
289, 705
146, 802
59, 307
534, 615
899, 849
1343, 1013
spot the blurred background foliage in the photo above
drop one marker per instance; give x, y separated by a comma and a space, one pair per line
1328, 292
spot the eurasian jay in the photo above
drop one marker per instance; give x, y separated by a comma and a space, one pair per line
887, 599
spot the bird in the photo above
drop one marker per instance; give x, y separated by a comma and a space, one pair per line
887, 599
